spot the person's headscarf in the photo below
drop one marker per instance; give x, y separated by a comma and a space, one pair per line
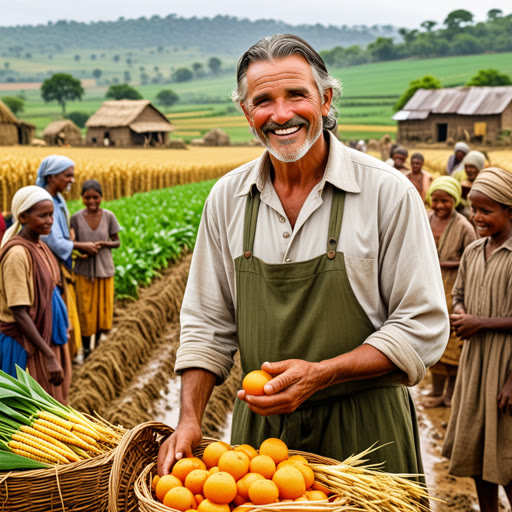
475, 158
22, 201
51, 165
495, 183
447, 184
461, 146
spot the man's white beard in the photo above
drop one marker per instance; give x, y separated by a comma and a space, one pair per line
292, 155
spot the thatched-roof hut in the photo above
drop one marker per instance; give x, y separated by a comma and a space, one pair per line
60, 133
128, 123
26, 132
8, 126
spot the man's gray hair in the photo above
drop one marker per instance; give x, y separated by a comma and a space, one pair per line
279, 46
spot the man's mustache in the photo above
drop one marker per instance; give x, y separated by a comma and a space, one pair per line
291, 123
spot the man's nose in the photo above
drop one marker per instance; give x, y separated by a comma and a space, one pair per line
282, 112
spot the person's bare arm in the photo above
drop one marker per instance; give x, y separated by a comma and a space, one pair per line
29, 330
113, 243
196, 387
467, 326
450, 264
296, 380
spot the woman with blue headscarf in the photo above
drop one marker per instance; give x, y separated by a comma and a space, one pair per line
56, 174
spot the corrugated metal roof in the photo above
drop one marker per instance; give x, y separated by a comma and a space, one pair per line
461, 100
409, 115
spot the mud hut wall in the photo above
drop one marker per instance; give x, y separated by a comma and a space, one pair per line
26, 133
8, 134
506, 118
119, 137
73, 135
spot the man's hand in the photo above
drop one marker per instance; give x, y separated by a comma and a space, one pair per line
505, 397
55, 370
466, 326
178, 445
294, 381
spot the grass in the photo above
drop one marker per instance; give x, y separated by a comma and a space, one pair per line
369, 92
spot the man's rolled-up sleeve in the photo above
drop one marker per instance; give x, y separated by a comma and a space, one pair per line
417, 328
208, 331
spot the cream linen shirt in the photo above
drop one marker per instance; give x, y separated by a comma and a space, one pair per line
390, 256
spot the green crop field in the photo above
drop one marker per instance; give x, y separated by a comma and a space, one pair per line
369, 93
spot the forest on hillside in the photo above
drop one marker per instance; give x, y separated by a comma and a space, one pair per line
224, 35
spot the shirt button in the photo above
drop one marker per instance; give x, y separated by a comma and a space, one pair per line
286, 235
288, 260
282, 219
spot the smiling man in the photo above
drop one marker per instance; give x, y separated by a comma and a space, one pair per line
307, 263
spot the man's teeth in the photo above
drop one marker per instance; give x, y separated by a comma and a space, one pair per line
287, 131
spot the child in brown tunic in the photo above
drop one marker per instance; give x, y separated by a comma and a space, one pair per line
479, 436
95, 273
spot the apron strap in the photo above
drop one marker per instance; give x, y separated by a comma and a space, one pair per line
252, 206
337, 208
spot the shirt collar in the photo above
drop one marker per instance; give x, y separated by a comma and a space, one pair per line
339, 171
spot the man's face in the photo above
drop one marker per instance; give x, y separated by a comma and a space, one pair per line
284, 107
416, 164
399, 160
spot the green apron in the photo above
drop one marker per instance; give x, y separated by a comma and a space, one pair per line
307, 310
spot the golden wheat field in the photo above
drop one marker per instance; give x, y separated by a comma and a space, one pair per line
121, 172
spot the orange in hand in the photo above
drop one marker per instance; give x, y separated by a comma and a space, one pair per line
254, 382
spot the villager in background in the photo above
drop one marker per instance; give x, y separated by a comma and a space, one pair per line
33, 317
303, 264
56, 174
399, 156
478, 440
420, 179
392, 148
461, 149
472, 163
452, 234
95, 273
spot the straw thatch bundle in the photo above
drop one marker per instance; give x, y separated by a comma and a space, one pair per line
62, 133
8, 126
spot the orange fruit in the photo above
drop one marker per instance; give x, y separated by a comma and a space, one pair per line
154, 482
287, 462
275, 449
220, 488
179, 498
198, 498
184, 466
239, 500
213, 470
298, 458
307, 473
290, 483
248, 449
316, 495
301, 498
317, 486
165, 484
236, 463
244, 483
254, 382
195, 480
210, 506
263, 465
263, 492
245, 508
213, 452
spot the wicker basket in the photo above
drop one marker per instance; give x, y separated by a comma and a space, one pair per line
147, 502
71, 487
136, 450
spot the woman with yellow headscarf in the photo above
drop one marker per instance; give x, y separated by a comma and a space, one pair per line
452, 234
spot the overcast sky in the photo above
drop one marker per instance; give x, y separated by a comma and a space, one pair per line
401, 13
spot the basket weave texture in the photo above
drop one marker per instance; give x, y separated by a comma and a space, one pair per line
142, 487
98, 484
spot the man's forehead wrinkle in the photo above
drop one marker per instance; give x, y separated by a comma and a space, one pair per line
262, 77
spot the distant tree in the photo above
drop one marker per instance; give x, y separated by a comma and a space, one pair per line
79, 118
129, 61
489, 77
116, 58
142, 68
197, 66
77, 57
455, 19
382, 48
428, 25
28, 55
426, 82
123, 92
115, 80
61, 87
466, 44
160, 49
494, 14
6, 65
14, 104
156, 69
167, 98
214, 64
144, 78
93, 57
182, 75
408, 35
127, 77
96, 73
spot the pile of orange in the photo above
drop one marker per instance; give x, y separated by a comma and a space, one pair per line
228, 477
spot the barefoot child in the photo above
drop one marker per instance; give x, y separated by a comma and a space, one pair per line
479, 436
95, 273
452, 234
33, 317
420, 179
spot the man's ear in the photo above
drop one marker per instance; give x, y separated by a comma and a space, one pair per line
327, 100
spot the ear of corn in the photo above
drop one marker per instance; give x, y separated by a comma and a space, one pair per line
34, 425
